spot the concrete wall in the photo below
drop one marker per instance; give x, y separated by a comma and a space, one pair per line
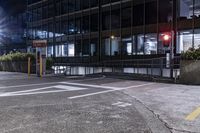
190, 72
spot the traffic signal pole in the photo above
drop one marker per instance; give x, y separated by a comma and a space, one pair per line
168, 42
172, 55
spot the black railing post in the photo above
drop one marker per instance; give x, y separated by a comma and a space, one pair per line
161, 67
151, 67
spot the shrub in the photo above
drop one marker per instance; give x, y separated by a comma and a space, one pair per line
17, 57
191, 54
15, 62
23, 57
49, 63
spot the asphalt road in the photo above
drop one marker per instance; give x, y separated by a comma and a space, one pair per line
90, 105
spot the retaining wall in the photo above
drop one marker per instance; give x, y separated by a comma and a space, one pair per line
190, 72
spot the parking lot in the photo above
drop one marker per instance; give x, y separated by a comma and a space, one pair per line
96, 105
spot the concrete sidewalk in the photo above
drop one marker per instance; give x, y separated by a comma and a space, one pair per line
178, 106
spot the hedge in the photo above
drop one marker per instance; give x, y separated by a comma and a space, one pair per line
11, 62
191, 54
13, 57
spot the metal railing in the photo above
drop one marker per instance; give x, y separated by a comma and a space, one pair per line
160, 67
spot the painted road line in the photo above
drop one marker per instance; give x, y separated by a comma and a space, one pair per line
32, 93
29, 85
108, 91
89, 85
40, 90
31, 90
101, 86
193, 115
121, 104
47, 83
134, 86
91, 94
118, 103
69, 88
124, 105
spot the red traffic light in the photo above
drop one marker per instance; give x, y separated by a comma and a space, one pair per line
166, 39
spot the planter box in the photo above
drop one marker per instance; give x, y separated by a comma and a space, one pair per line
190, 72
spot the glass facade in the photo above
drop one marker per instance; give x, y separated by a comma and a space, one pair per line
113, 29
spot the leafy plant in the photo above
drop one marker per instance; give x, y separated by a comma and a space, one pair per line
49, 63
17, 57
191, 54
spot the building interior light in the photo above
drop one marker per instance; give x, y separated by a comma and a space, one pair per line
186, 32
112, 37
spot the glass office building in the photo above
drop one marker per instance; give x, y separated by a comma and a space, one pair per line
92, 31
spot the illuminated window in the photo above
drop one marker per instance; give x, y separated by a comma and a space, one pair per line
59, 50
111, 46
71, 50
185, 40
151, 44
140, 44
49, 51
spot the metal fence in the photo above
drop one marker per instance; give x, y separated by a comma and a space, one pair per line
159, 67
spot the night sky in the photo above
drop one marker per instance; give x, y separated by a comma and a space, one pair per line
13, 7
